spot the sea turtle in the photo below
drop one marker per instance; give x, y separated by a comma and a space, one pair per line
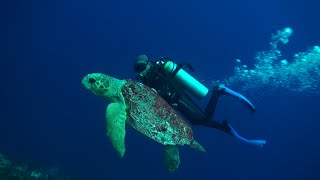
143, 109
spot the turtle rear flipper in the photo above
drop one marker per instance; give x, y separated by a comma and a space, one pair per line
171, 157
195, 145
116, 131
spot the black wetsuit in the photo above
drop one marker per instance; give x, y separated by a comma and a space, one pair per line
158, 79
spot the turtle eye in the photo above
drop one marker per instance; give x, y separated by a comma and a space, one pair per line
91, 80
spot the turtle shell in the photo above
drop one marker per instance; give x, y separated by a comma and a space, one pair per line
152, 116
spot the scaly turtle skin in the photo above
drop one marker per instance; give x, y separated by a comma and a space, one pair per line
144, 110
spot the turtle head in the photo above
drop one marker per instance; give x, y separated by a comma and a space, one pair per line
102, 85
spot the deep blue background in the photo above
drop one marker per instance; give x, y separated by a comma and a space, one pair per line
47, 117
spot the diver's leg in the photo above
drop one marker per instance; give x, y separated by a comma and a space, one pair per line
227, 128
220, 126
227, 90
190, 110
219, 90
212, 104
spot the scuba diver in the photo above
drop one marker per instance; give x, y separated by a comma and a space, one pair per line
175, 86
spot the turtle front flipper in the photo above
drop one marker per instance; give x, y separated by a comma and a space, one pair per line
115, 122
171, 157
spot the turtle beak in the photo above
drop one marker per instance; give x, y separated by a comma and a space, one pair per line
86, 83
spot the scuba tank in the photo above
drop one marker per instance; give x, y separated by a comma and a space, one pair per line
185, 80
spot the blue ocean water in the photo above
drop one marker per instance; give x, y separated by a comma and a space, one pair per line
48, 118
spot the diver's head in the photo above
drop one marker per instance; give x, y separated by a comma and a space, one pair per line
141, 63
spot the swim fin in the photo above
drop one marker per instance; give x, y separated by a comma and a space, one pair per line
227, 90
258, 143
